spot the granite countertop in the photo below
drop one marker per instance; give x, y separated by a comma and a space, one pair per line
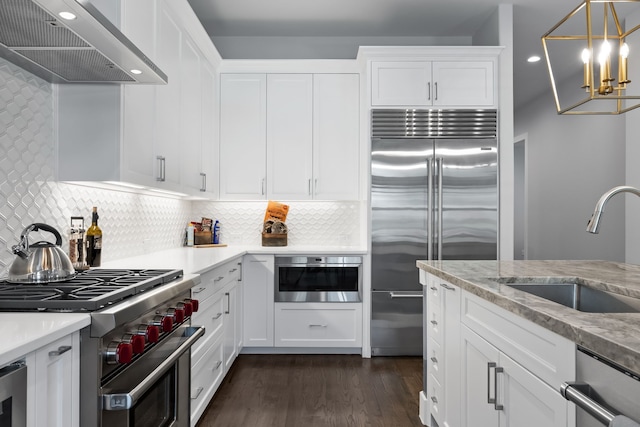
615, 336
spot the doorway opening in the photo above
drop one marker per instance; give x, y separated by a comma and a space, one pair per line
520, 198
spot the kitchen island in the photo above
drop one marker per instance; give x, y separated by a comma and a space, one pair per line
496, 354
615, 336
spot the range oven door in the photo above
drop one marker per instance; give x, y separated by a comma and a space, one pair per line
13, 395
318, 279
153, 391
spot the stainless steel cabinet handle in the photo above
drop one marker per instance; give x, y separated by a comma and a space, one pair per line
309, 186
315, 186
240, 275
262, 187
317, 326
433, 288
217, 316
496, 405
198, 392
447, 287
394, 295
61, 350
161, 168
197, 291
218, 279
228, 303
490, 399
233, 270
434, 359
440, 169
579, 394
215, 368
203, 188
429, 91
434, 399
436, 90
434, 323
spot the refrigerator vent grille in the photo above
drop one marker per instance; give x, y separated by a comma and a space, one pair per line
411, 123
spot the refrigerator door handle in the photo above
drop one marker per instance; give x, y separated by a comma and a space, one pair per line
429, 209
440, 170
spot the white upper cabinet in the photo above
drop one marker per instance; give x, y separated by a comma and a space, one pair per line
190, 114
243, 115
336, 136
450, 84
289, 136
209, 157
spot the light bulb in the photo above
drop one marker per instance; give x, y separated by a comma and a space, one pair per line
624, 51
586, 55
605, 50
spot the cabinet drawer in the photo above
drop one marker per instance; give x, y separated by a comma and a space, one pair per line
211, 318
436, 399
435, 322
435, 360
206, 375
216, 279
544, 353
318, 325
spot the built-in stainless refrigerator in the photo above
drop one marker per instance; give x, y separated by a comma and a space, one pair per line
434, 176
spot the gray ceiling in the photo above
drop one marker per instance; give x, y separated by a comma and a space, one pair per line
289, 29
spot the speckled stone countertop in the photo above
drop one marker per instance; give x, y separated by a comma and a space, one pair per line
615, 336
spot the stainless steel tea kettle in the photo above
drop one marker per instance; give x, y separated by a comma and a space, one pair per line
40, 262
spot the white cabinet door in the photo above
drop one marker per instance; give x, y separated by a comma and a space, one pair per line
289, 136
401, 83
138, 103
242, 136
258, 276
230, 345
57, 387
478, 381
190, 116
450, 407
336, 136
527, 401
209, 158
167, 124
463, 84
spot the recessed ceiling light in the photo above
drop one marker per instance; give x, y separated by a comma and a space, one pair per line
67, 15
134, 71
534, 58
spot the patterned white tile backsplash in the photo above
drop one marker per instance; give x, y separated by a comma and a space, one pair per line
133, 224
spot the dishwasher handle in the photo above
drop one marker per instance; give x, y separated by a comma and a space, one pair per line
578, 393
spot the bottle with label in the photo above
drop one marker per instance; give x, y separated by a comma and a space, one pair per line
94, 241
216, 232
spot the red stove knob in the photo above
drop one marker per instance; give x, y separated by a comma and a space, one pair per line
151, 333
187, 307
179, 315
195, 304
119, 352
137, 342
167, 323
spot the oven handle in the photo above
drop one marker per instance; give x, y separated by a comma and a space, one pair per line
578, 394
125, 401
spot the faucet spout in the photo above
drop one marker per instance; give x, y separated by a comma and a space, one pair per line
594, 222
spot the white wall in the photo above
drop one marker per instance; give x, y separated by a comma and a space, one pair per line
571, 161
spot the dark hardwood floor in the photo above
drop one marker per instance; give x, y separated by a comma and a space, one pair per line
317, 391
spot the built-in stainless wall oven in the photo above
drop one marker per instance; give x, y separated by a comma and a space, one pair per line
13, 395
318, 278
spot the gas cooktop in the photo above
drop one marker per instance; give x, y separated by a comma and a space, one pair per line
89, 291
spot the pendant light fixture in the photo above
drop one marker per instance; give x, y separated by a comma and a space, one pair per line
603, 52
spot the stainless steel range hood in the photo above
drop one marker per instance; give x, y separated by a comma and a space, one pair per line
87, 49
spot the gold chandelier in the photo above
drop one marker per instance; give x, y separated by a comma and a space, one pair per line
604, 44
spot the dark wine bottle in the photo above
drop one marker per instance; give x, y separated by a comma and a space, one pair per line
94, 241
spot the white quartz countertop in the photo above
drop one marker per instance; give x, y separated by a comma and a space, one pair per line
23, 333
199, 260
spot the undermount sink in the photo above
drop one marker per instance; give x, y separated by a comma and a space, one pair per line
578, 296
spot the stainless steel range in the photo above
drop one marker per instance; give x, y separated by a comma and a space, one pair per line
135, 355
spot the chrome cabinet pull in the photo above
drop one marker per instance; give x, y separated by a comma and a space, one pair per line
60, 351
262, 187
429, 91
496, 405
233, 270
197, 291
240, 275
204, 182
436, 90
433, 288
317, 326
228, 303
309, 186
434, 359
217, 317
198, 392
215, 368
433, 322
434, 399
447, 287
161, 168
218, 279
490, 400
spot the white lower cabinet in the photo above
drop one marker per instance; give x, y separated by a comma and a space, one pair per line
53, 376
489, 367
207, 372
258, 274
318, 325
499, 392
232, 303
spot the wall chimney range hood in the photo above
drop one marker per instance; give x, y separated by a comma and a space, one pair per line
87, 48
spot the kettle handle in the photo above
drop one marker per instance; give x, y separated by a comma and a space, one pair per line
44, 227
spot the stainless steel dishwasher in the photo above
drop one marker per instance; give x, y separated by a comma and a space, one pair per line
602, 391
